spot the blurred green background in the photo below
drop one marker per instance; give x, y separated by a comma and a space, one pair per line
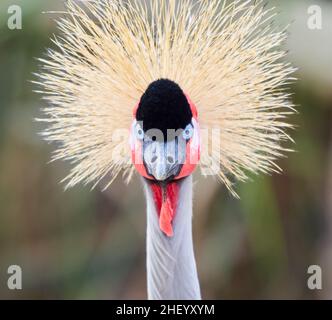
80, 244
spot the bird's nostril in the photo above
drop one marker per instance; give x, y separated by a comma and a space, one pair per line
154, 159
170, 159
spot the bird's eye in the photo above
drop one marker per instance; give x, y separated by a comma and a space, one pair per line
188, 132
139, 132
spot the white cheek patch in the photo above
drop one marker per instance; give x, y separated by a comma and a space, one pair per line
196, 139
132, 137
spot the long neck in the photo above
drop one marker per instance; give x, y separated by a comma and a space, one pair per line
171, 266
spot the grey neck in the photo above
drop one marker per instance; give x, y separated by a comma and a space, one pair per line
171, 266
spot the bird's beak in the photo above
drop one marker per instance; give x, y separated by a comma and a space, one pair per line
164, 160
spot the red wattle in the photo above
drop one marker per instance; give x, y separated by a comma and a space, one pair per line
166, 199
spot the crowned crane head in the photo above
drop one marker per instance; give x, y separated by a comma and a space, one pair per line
165, 133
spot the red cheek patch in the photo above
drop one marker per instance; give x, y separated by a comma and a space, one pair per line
166, 201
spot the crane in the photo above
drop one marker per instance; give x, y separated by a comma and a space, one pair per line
160, 87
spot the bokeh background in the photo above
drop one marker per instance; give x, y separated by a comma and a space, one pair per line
91, 245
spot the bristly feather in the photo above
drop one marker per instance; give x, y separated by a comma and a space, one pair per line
225, 55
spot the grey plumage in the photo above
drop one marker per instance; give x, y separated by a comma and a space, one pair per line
171, 266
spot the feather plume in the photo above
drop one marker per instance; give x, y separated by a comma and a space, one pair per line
226, 55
